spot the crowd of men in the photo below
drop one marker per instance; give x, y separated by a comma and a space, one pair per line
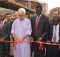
20, 27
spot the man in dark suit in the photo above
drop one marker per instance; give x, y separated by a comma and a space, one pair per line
6, 36
39, 24
10, 20
1, 44
54, 37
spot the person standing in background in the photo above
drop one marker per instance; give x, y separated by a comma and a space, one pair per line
16, 15
54, 37
1, 35
55, 13
28, 15
5, 36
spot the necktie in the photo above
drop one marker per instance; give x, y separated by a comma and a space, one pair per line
54, 38
1, 26
37, 21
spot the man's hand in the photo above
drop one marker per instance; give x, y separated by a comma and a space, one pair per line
21, 40
2, 39
31, 38
16, 39
48, 41
59, 41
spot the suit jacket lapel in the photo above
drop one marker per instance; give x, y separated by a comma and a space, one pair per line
4, 24
59, 30
51, 29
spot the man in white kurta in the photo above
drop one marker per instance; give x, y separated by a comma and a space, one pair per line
22, 30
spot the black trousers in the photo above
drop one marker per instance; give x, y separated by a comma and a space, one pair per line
38, 52
52, 51
6, 46
1, 50
31, 48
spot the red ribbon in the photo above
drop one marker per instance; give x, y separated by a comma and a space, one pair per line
40, 44
15, 42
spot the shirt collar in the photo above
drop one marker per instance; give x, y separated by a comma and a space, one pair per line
56, 25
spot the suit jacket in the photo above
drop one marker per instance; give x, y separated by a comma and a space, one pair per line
5, 32
50, 34
42, 28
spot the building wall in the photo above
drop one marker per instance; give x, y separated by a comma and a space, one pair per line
32, 4
4, 10
45, 8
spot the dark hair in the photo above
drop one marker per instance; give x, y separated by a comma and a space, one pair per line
39, 6
27, 13
8, 14
57, 11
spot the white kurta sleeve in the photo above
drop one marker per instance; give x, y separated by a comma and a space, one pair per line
29, 30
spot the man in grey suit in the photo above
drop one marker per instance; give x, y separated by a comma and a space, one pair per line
39, 24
